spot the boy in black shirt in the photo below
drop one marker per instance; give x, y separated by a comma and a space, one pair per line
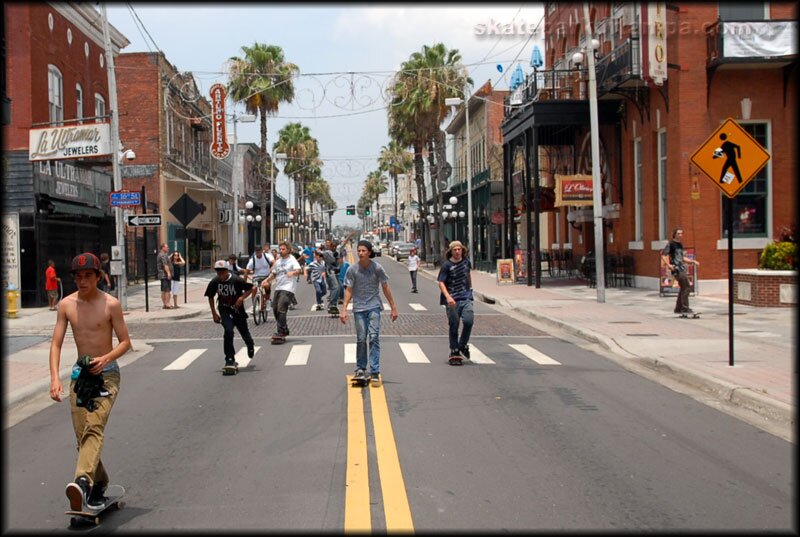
675, 258
231, 292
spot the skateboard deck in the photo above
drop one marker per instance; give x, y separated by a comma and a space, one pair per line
359, 381
230, 369
278, 340
689, 315
90, 515
455, 360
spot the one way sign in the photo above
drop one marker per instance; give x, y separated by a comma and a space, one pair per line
144, 220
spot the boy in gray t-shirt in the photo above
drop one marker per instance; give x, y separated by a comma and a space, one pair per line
361, 285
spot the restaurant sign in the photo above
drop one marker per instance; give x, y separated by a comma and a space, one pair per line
77, 141
219, 139
572, 190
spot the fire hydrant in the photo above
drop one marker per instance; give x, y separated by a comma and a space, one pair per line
11, 297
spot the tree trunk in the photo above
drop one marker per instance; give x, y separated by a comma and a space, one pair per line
263, 180
441, 159
436, 192
419, 169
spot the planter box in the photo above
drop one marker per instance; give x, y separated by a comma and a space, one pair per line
765, 288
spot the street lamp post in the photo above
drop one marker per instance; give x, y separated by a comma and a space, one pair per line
250, 218
454, 101
275, 156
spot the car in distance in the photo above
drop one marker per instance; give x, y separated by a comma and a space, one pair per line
403, 249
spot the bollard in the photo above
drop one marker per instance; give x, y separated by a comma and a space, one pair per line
11, 298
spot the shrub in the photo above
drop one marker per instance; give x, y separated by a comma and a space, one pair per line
779, 256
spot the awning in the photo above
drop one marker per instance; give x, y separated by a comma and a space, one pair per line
76, 208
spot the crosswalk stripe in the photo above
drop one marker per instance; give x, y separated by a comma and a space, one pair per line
475, 355
533, 354
418, 307
185, 359
298, 355
413, 353
349, 353
386, 306
241, 357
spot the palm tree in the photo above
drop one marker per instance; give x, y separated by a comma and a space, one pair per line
303, 163
262, 80
395, 160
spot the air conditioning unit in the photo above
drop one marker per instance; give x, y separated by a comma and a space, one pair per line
225, 216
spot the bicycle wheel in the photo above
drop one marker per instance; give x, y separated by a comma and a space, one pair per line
257, 309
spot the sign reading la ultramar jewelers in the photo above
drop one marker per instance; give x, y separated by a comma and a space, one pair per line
76, 141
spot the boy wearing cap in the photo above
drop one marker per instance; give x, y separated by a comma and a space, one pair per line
455, 284
93, 316
361, 285
231, 292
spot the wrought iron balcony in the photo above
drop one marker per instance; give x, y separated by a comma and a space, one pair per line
762, 43
619, 67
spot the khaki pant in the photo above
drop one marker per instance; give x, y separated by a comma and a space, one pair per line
90, 430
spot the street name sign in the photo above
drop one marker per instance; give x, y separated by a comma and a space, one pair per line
144, 220
124, 198
730, 157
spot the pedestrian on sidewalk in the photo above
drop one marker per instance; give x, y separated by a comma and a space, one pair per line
317, 272
413, 265
51, 281
177, 263
283, 281
106, 281
675, 258
455, 284
164, 266
92, 316
234, 268
231, 292
362, 283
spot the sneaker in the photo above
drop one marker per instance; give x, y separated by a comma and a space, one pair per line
230, 362
360, 374
375, 376
464, 351
454, 353
688, 310
251, 351
97, 497
77, 492
320, 307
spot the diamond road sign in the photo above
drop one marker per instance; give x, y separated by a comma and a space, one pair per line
730, 157
185, 209
144, 220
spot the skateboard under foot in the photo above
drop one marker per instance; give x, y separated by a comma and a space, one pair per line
455, 360
278, 340
90, 515
689, 315
359, 380
230, 369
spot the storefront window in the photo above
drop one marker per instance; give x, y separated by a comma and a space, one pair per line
55, 94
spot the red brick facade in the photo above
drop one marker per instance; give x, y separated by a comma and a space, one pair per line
762, 288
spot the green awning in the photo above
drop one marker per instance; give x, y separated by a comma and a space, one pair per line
76, 208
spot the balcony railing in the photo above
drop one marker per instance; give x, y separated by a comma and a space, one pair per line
619, 66
751, 42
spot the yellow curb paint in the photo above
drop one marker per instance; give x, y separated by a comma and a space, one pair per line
395, 500
357, 513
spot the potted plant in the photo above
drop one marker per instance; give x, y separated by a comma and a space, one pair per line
782, 253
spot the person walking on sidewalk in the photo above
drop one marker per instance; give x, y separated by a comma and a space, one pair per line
106, 281
177, 263
455, 284
92, 316
318, 273
231, 292
676, 260
51, 282
362, 283
164, 266
413, 265
285, 273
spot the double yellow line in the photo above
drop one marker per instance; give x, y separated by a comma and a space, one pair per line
357, 511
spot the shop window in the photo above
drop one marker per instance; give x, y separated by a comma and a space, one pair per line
78, 103
639, 209
99, 108
55, 94
742, 11
750, 206
662, 185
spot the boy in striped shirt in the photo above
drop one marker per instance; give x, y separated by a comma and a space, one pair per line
455, 284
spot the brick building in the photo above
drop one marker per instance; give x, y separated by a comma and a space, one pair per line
722, 60
56, 85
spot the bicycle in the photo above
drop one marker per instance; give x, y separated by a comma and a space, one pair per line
259, 313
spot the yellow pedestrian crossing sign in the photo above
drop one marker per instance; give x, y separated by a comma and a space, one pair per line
730, 157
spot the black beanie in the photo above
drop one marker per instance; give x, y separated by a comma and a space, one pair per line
368, 246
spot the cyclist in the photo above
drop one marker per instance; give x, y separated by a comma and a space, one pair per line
259, 266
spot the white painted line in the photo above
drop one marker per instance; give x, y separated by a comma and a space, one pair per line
184, 360
350, 353
413, 353
418, 307
475, 355
298, 355
241, 357
386, 306
533, 354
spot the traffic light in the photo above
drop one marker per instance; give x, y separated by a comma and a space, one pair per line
351, 209
367, 212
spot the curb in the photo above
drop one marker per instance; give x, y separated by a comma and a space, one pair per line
742, 396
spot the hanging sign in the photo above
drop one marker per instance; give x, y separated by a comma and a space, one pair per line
219, 138
573, 190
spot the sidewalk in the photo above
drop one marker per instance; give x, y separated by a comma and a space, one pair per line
635, 325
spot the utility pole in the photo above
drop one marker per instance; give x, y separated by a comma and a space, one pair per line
115, 156
235, 215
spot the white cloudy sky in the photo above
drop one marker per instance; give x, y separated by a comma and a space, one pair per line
328, 41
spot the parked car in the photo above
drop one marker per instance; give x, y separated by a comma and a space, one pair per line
403, 250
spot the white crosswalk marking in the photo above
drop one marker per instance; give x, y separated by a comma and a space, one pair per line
349, 353
475, 355
386, 306
184, 360
418, 307
414, 354
298, 355
534, 355
241, 357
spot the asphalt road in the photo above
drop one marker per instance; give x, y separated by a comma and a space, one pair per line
553, 438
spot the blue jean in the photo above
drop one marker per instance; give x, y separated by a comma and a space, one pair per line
462, 311
335, 287
368, 326
320, 290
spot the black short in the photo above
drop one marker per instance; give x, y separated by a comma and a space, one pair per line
166, 285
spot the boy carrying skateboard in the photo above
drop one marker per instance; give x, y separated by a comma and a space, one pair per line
283, 280
92, 315
362, 283
231, 292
